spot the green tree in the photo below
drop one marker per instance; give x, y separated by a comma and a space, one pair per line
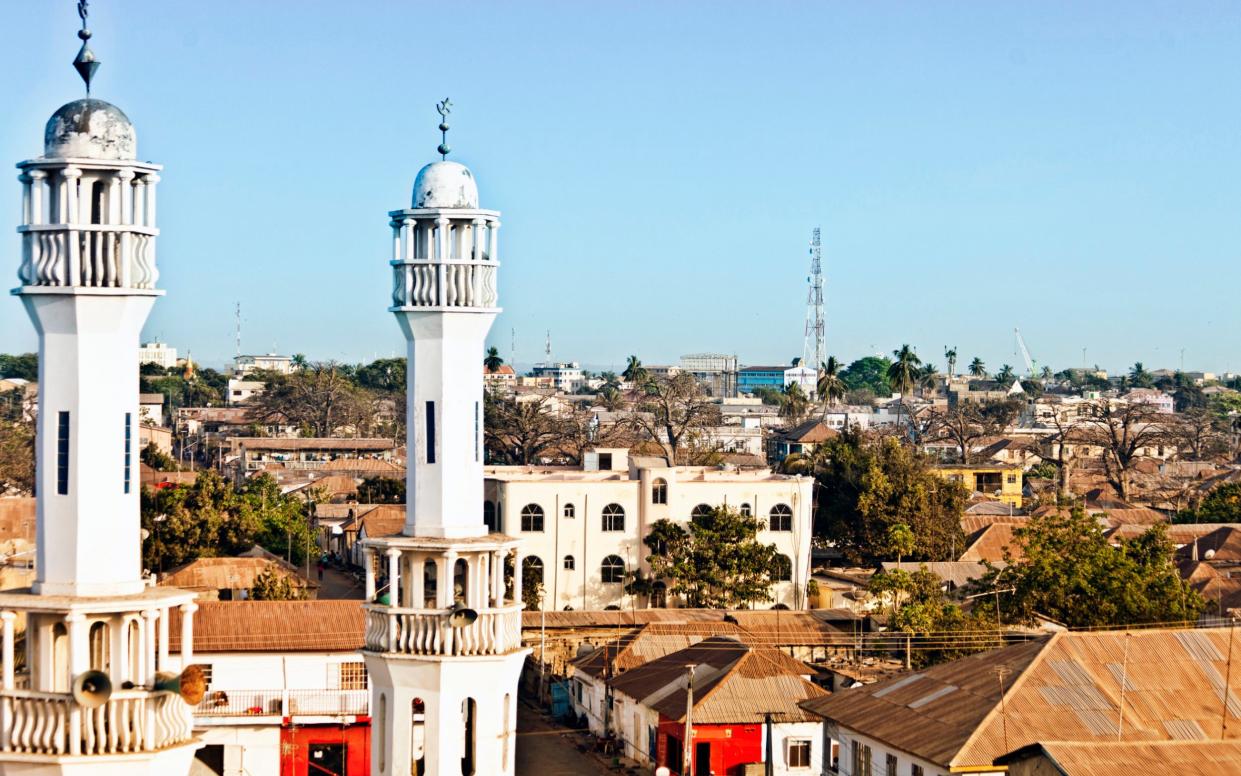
270, 585
866, 486
611, 399
1070, 571
24, 366
381, 490
1006, 375
717, 562
794, 403
900, 540
869, 373
830, 387
673, 412
634, 372
978, 368
951, 355
299, 362
1139, 377
903, 372
17, 455
944, 631
383, 375
1221, 505
157, 459
492, 361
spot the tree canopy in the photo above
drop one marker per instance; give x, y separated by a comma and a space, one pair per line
24, 366
715, 562
1221, 505
869, 373
866, 486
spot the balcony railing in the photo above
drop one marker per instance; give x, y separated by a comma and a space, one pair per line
43, 723
450, 283
91, 255
284, 703
428, 631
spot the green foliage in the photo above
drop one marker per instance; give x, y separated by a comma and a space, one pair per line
211, 518
904, 371
532, 587
1221, 505
900, 540
493, 361
866, 487
17, 455
870, 373
384, 375
1044, 470
270, 585
1139, 377
21, 365
769, 394
717, 563
1071, 573
157, 459
921, 608
381, 490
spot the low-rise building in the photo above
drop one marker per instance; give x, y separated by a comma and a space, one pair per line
151, 408
582, 528
503, 379
157, 353
244, 365
565, 377
308, 453
1002, 481
240, 391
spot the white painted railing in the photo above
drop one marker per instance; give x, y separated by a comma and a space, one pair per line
284, 703
428, 632
53, 724
88, 255
452, 283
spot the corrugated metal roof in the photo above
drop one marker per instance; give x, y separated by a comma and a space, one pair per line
272, 626
992, 542
648, 643
1201, 758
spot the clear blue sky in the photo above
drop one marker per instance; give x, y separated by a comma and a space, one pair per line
1073, 169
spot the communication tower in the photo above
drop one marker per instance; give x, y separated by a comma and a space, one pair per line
814, 348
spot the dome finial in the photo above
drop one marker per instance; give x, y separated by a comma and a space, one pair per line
85, 62
444, 108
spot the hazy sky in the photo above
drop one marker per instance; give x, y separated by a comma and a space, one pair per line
1073, 169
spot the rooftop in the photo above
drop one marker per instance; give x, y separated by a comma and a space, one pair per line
273, 626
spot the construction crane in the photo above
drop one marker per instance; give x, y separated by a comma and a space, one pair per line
1025, 352
814, 347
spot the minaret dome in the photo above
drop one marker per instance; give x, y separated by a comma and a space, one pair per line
89, 129
445, 185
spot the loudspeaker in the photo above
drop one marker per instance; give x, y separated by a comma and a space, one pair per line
462, 616
92, 689
190, 684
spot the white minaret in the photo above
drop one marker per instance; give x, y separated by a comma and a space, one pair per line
443, 626
87, 277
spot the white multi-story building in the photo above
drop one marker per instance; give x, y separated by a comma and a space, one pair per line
96, 632
244, 365
241, 391
565, 377
157, 353
584, 527
443, 631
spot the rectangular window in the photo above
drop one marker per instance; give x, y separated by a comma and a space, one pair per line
915, 770
430, 429
866, 762
129, 439
62, 455
799, 753
352, 675
891, 761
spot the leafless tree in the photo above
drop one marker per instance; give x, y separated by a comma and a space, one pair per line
519, 432
320, 398
1123, 430
1198, 435
671, 410
1061, 446
968, 423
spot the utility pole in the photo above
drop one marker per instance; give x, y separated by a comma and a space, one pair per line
688, 757
769, 759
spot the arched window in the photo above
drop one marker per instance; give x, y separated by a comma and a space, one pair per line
746, 510
782, 569
781, 518
659, 491
613, 517
569, 511
700, 511
531, 571
613, 570
430, 586
460, 580
489, 515
532, 517
99, 647
569, 563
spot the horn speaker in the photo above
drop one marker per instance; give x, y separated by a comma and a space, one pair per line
92, 689
190, 684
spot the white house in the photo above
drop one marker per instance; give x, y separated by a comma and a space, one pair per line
270, 362
157, 353
241, 391
583, 527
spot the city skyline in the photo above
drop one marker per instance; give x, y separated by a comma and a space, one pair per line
1064, 170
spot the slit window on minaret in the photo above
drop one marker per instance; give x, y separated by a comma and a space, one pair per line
129, 441
476, 432
430, 432
62, 454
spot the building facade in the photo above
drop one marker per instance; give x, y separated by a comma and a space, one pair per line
157, 353
584, 527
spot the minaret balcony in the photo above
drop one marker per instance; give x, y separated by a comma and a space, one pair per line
437, 632
53, 724
447, 284
115, 256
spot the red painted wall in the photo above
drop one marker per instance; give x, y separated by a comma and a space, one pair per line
732, 746
296, 740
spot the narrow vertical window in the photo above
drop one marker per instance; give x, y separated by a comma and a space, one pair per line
430, 432
62, 455
475, 432
129, 441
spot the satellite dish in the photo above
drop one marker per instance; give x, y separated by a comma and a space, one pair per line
92, 689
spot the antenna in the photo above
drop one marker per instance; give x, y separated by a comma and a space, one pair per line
547, 347
814, 306
238, 314
85, 62
512, 346
443, 107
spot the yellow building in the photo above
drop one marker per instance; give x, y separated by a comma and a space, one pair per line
1002, 481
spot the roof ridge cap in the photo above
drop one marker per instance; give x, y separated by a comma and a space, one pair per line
1009, 691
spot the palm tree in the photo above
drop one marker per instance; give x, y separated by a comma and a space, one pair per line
978, 368
794, 402
1006, 374
1047, 374
634, 371
611, 398
492, 361
928, 376
903, 372
610, 379
830, 387
1139, 377
299, 362
951, 355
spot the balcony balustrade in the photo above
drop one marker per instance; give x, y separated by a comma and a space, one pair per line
43, 723
284, 703
430, 632
88, 255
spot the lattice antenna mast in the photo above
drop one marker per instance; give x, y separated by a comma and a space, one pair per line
238, 328
815, 347
547, 346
